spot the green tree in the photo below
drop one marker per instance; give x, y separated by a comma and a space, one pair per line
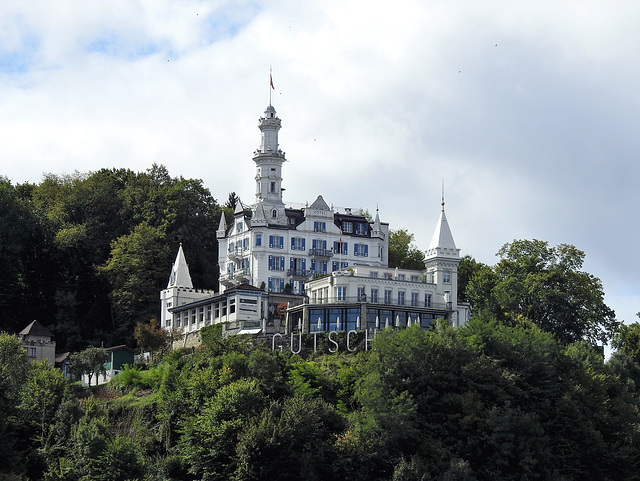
546, 285
467, 269
403, 253
90, 361
627, 340
136, 269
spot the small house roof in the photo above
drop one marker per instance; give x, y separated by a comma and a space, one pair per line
36, 329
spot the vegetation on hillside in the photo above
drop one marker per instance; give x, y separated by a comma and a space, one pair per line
484, 402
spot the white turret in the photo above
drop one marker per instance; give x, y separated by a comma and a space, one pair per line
269, 159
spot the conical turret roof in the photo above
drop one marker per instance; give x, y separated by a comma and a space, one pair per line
180, 276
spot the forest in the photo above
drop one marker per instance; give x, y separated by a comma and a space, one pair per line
523, 392
87, 253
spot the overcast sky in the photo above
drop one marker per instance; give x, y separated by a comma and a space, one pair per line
529, 111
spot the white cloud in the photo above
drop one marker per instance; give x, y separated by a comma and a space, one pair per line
535, 137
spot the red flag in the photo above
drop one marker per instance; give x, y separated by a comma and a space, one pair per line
271, 82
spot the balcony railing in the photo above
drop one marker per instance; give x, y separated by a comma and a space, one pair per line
438, 306
321, 252
299, 272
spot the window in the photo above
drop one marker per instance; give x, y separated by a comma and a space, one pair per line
274, 213
358, 227
341, 293
344, 264
335, 265
273, 187
245, 244
373, 274
319, 245
324, 267
193, 317
258, 239
275, 284
361, 250
239, 227
414, 299
427, 300
347, 227
319, 227
446, 276
401, 277
362, 297
232, 306
374, 295
340, 248
297, 244
32, 352
401, 298
200, 314
208, 318
387, 296
276, 263
276, 241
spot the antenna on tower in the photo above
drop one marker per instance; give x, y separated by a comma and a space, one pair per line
442, 203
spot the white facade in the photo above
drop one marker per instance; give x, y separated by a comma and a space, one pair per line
280, 248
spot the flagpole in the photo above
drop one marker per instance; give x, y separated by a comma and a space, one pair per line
270, 84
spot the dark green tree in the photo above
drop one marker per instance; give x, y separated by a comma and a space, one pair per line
546, 285
402, 252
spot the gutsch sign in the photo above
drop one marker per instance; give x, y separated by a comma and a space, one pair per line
333, 340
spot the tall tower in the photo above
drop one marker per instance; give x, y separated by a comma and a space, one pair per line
441, 261
269, 159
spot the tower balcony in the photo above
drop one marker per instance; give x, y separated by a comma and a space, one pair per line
235, 253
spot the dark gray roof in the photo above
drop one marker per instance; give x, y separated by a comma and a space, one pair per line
36, 329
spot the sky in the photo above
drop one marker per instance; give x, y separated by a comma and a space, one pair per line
528, 111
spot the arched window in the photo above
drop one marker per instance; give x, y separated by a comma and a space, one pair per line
274, 213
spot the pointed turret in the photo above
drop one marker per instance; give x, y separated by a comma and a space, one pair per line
221, 233
180, 276
376, 229
442, 243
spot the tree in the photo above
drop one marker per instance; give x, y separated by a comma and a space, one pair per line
627, 340
90, 361
151, 337
545, 284
467, 268
402, 252
136, 270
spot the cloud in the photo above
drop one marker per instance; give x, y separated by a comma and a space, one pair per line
528, 111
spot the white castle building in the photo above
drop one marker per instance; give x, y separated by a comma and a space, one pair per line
306, 256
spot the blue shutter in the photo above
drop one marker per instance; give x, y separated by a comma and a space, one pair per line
366, 250
324, 245
270, 284
291, 264
303, 248
336, 247
313, 266
281, 242
345, 250
281, 263
304, 264
270, 263
281, 285
270, 241
356, 249
293, 243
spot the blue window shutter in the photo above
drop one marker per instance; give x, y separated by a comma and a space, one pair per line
290, 262
366, 250
313, 265
346, 249
281, 263
324, 245
281, 242
304, 264
270, 241
336, 247
270, 285
303, 248
281, 285
270, 263
355, 249
293, 243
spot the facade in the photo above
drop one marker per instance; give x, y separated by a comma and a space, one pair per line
365, 297
315, 266
280, 248
38, 343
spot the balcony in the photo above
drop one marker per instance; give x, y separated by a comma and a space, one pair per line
242, 275
235, 253
321, 253
436, 306
299, 273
